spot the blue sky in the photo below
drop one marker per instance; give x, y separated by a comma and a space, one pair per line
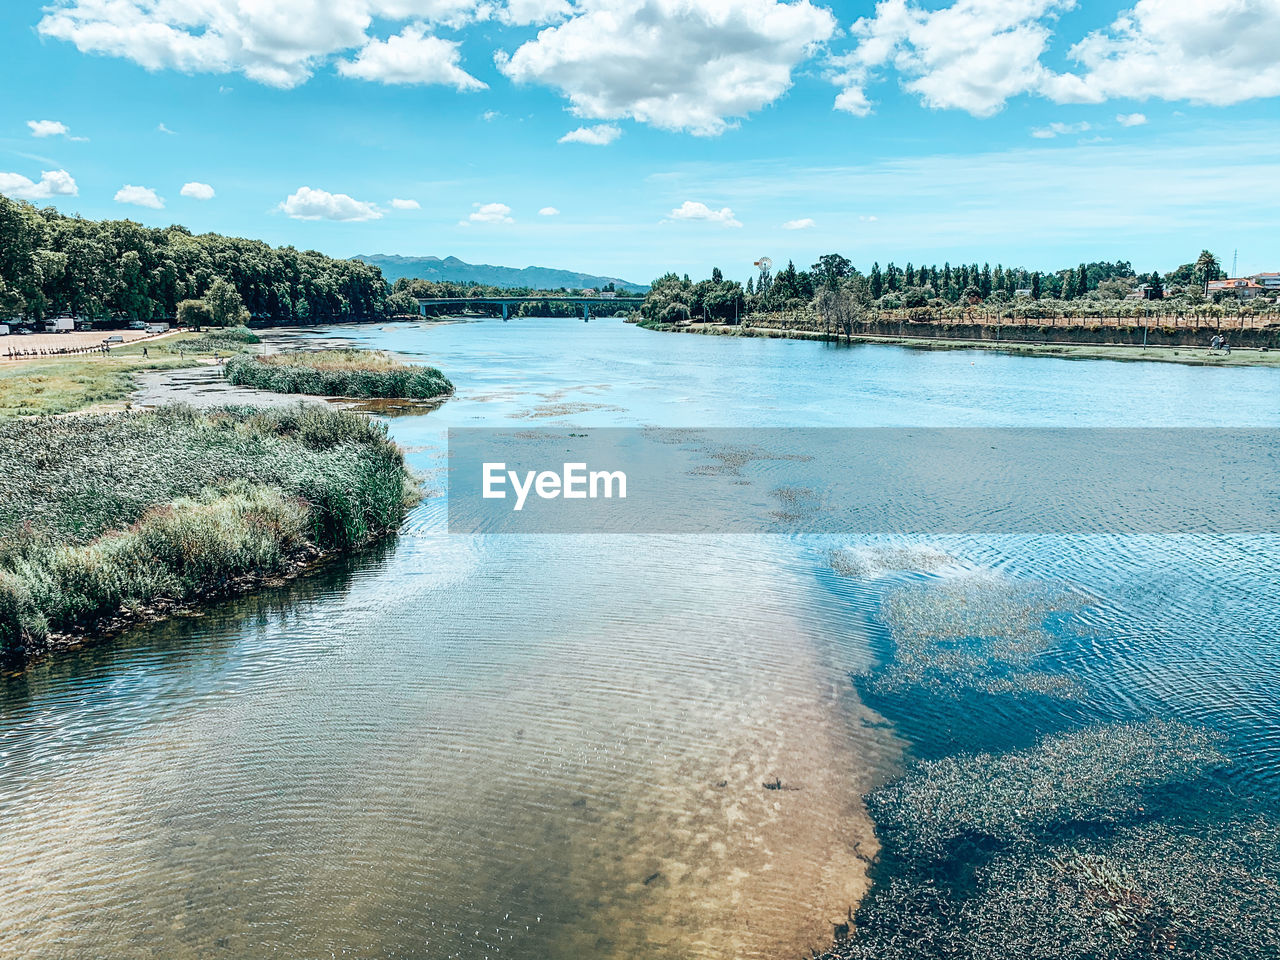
1037, 132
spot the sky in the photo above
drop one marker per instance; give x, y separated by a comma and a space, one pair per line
632, 137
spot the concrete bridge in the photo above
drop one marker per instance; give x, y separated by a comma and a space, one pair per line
600, 303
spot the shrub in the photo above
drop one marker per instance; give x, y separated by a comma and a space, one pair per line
106, 511
339, 373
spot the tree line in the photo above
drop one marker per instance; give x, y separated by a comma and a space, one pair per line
835, 288
52, 264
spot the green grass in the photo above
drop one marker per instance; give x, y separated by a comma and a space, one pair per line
38, 387
67, 384
339, 373
105, 513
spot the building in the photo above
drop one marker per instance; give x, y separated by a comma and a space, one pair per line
1269, 281
1242, 288
1145, 292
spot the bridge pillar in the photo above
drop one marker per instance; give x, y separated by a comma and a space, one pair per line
504, 313
586, 313
422, 309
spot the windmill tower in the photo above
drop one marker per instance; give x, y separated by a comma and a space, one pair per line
765, 266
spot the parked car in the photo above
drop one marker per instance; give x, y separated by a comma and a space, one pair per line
138, 325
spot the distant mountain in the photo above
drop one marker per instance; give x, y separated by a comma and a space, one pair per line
451, 268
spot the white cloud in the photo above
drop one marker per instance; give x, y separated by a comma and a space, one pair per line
870, 219
161, 128
693, 210
52, 183
139, 197
695, 65
489, 213
491, 115
412, 56
280, 43
52, 128
803, 224
402, 204
1057, 129
308, 204
548, 212
973, 55
602, 134
524, 12
1206, 51
197, 190
1131, 119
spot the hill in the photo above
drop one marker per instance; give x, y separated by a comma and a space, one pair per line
459, 271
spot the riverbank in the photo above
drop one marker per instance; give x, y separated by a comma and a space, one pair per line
1193, 355
108, 519
36, 386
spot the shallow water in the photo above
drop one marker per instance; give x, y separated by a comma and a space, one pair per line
556, 746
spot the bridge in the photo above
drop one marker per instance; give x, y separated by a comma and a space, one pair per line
508, 302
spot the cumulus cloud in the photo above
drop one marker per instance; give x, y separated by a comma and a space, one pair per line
803, 224
197, 190
1207, 51
675, 64
52, 128
548, 212
402, 204
281, 43
1131, 119
524, 12
1056, 129
693, 210
161, 128
412, 56
601, 135
973, 55
52, 183
308, 204
139, 197
489, 213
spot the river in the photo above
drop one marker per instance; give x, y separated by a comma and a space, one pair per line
556, 747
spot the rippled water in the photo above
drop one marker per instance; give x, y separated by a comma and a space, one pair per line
542, 747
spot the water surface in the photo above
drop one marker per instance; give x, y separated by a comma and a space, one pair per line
542, 747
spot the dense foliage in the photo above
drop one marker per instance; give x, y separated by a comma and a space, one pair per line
103, 513
839, 294
51, 263
338, 373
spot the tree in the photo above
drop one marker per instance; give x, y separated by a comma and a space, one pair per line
1069, 285
1082, 280
1155, 287
226, 308
716, 275
830, 269
1207, 267
1035, 285
972, 294
194, 314
876, 283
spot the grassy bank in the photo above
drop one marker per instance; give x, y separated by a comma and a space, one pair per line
1196, 356
339, 373
66, 384
121, 516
